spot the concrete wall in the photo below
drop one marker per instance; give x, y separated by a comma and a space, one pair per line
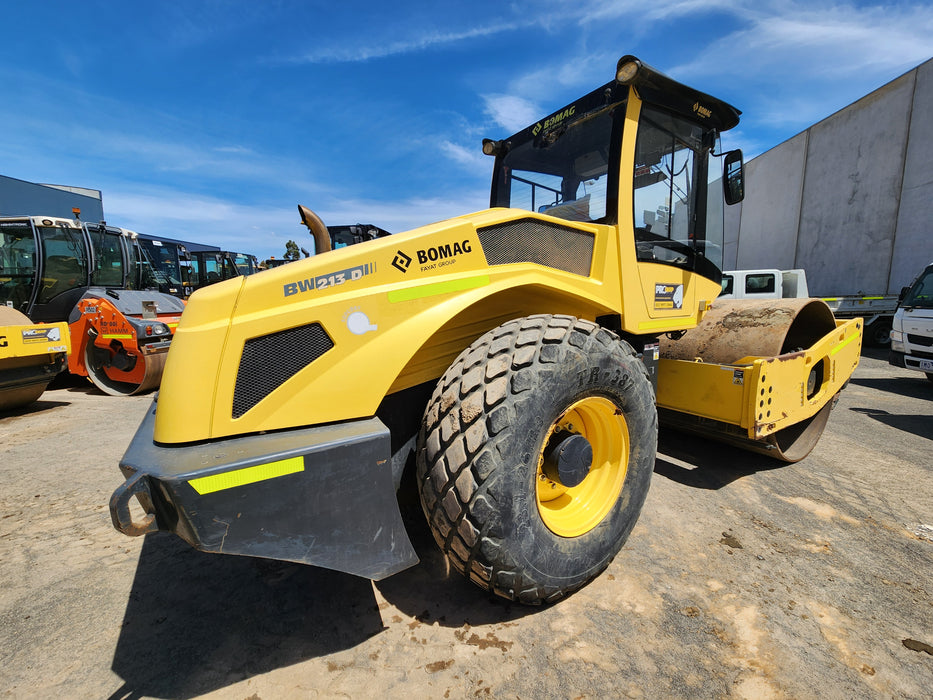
913, 240
19, 198
850, 200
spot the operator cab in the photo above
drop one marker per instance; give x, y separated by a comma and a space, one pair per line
572, 166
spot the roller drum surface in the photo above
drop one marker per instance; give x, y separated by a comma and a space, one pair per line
737, 329
155, 364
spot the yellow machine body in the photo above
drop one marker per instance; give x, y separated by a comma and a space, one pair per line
31, 354
762, 395
508, 357
426, 295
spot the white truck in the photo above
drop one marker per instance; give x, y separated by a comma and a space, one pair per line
764, 284
876, 310
912, 326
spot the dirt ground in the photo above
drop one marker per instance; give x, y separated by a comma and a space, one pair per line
742, 579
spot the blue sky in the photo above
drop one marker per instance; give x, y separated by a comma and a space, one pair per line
209, 121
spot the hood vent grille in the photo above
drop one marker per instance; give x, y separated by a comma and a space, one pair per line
271, 360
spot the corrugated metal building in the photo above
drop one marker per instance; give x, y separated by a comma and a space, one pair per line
21, 198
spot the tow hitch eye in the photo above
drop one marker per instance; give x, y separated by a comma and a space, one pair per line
568, 459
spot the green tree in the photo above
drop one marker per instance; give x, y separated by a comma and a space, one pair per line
291, 251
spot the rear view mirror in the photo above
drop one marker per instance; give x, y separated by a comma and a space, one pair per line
733, 177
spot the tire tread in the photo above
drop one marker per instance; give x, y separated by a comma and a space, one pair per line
471, 408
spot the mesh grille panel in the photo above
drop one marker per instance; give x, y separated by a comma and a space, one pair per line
270, 360
533, 241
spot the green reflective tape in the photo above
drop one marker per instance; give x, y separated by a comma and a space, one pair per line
431, 290
249, 475
836, 349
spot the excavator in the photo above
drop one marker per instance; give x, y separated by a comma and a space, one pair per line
514, 361
95, 278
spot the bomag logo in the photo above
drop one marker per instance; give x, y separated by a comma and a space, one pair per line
401, 261
443, 251
702, 111
553, 121
3, 341
430, 258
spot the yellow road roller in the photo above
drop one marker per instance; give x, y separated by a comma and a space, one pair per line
31, 354
515, 360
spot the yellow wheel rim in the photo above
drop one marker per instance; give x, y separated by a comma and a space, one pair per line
574, 511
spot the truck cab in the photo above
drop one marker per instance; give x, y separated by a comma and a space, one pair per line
912, 328
764, 284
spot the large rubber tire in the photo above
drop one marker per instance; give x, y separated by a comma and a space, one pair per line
481, 451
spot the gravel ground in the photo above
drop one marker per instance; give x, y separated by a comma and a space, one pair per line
742, 579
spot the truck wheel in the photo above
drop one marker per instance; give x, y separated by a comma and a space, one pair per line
878, 333
535, 456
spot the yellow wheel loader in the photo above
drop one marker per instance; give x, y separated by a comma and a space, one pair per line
514, 358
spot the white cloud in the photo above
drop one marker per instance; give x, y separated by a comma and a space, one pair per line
510, 111
475, 162
585, 70
263, 230
372, 48
819, 40
604, 10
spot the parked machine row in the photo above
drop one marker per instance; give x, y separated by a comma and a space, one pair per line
181, 268
96, 279
111, 298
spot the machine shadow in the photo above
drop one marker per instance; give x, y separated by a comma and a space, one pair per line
874, 352
433, 591
198, 622
918, 387
705, 464
67, 380
34, 407
919, 425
